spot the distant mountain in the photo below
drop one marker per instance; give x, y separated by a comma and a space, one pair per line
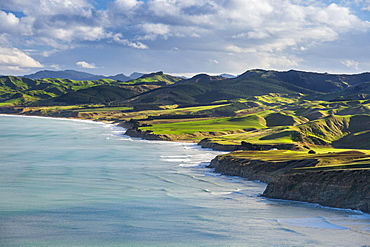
227, 75
321, 82
65, 74
119, 77
80, 76
136, 75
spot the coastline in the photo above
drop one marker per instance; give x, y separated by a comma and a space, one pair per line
290, 180
280, 180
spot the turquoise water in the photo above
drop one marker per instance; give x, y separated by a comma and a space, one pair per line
80, 183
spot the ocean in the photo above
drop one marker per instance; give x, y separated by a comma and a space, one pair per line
83, 183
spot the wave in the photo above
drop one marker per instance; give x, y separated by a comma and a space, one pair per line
315, 222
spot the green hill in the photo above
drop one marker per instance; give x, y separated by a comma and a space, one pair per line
209, 89
96, 95
356, 92
158, 78
339, 131
163, 89
19, 90
117, 92
23, 91
321, 82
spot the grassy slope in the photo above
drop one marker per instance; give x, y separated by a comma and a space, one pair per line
252, 124
154, 78
21, 91
17, 90
210, 91
209, 125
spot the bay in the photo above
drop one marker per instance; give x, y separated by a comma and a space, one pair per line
82, 183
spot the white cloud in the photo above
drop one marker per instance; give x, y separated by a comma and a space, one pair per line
127, 4
365, 4
86, 65
160, 29
256, 28
8, 22
55, 66
15, 59
138, 45
49, 53
351, 64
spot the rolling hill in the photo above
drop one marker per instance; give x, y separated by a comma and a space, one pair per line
321, 82
204, 89
20, 91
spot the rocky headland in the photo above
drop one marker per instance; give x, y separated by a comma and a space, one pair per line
340, 188
294, 180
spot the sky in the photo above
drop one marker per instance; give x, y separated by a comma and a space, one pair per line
184, 37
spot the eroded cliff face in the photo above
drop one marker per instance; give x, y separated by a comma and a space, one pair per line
341, 188
264, 171
207, 143
134, 132
336, 188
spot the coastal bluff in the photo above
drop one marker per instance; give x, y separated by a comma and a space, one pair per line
340, 188
293, 180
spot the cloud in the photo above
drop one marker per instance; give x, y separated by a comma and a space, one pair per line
351, 64
365, 4
275, 24
55, 66
279, 30
86, 65
8, 21
15, 59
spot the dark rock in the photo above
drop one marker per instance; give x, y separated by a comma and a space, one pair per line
207, 143
147, 135
340, 188
264, 171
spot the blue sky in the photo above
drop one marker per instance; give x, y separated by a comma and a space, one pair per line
184, 37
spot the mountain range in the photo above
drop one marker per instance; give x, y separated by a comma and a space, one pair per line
81, 76
69, 87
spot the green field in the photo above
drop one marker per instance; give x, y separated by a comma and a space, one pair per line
210, 125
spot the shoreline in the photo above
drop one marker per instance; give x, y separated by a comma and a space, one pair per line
278, 183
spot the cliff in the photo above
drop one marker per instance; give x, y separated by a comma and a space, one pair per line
147, 135
208, 143
341, 188
254, 169
348, 188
